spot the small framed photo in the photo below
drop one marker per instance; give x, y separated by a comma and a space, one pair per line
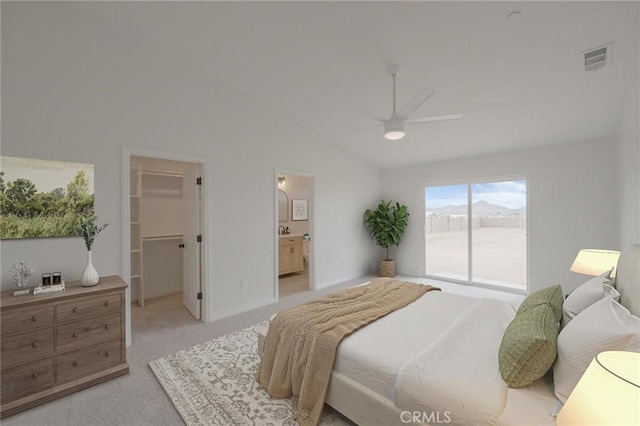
298, 209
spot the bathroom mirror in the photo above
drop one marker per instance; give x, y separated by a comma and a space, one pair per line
283, 206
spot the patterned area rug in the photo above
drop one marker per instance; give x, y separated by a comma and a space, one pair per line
213, 384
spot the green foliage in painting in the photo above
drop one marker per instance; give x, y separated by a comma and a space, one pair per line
29, 213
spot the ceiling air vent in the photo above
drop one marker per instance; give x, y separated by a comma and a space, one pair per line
597, 58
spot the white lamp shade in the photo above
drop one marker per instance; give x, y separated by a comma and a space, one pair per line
594, 262
607, 394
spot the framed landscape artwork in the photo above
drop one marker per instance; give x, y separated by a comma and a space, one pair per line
299, 210
42, 198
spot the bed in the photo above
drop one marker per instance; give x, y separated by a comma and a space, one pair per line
453, 360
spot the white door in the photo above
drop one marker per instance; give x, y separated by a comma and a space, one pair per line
191, 251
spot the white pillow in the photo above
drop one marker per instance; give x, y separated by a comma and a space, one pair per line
586, 295
604, 326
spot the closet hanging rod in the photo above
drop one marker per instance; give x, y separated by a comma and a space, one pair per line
161, 173
163, 237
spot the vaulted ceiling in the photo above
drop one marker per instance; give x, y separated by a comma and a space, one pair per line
324, 66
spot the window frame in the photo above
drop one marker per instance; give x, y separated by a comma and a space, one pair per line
469, 183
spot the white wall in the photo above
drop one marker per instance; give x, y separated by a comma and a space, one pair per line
571, 203
628, 168
162, 273
162, 205
77, 90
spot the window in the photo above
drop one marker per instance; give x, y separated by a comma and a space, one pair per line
476, 233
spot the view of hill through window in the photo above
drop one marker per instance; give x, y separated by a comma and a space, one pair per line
476, 232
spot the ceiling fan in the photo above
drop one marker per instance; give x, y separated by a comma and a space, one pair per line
394, 126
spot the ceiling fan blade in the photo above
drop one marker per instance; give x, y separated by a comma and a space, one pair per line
375, 117
416, 101
367, 128
434, 118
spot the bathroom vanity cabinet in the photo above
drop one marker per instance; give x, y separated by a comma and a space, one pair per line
290, 257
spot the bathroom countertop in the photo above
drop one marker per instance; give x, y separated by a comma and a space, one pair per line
290, 235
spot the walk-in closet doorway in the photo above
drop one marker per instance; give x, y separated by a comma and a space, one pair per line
165, 235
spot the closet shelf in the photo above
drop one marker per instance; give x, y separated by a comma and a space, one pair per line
162, 173
135, 219
162, 237
173, 193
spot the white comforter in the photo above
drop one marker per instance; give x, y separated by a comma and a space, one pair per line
439, 353
375, 355
456, 377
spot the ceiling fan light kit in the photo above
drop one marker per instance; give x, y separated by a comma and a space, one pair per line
394, 128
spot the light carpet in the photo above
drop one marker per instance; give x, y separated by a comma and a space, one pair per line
213, 384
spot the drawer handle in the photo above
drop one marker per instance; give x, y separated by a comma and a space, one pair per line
35, 375
107, 353
75, 334
35, 344
106, 303
106, 326
75, 309
34, 318
75, 363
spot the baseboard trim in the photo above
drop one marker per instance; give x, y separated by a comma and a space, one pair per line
171, 292
241, 309
337, 281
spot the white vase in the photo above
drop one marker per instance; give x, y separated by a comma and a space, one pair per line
89, 276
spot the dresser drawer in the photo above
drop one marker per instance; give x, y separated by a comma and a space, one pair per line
87, 332
30, 345
24, 318
88, 306
93, 358
27, 379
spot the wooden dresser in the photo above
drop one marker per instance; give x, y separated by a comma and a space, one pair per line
56, 344
290, 256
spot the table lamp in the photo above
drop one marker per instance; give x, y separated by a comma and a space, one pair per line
607, 394
595, 261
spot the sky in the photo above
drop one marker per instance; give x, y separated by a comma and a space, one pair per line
511, 194
47, 175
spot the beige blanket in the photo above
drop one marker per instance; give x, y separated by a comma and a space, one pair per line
301, 344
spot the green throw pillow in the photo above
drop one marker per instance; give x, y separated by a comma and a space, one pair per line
528, 347
547, 296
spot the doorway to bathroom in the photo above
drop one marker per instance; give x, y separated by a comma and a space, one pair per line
294, 232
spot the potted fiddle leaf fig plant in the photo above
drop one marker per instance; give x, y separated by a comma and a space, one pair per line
386, 225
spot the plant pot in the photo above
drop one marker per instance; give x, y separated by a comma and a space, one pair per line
89, 276
387, 268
